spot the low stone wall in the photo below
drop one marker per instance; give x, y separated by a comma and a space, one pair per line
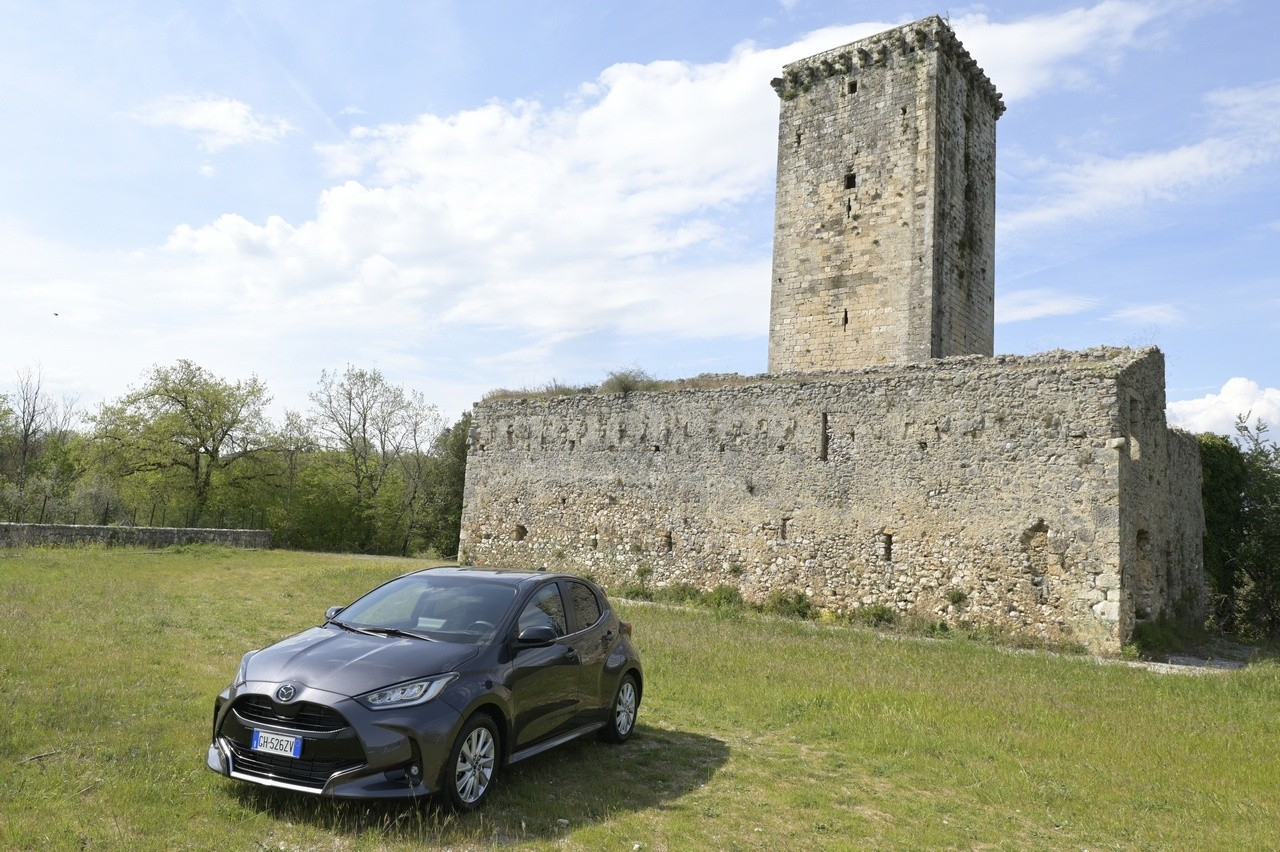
17, 535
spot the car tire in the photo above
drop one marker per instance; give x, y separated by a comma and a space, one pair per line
473, 764
621, 721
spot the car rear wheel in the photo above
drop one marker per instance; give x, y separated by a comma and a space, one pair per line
469, 774
622, 715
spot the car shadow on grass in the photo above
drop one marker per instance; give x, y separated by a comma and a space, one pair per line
546, 796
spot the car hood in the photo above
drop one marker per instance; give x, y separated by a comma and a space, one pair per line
336, 660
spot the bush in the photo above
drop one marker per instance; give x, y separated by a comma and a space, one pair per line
681, 593
634, 592
794, 605
876, 615
627, 381
724, 599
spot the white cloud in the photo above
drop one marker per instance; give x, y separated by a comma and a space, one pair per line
1038, 303
1244, 125
1026, 57
219, 122
1217, 412
1150, 314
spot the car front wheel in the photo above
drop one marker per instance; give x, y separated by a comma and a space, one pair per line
468, 776
622, 715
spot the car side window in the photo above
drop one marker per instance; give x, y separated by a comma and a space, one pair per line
586, 607
545, 609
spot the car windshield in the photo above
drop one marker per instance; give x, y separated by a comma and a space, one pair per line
440, 608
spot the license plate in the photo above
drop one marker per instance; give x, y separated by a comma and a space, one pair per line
276, 744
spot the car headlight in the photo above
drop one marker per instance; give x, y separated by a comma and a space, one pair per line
242, 674
407, 694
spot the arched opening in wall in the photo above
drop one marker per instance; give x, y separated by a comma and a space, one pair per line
1035, 544
519, 533
667, 542
595, 538
886, 547
824, 438
782, 529
1144, 576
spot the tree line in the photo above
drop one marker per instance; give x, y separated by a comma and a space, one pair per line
369, 467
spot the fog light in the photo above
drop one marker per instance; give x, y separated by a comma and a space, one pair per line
414, 772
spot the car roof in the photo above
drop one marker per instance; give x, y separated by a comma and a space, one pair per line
501, 575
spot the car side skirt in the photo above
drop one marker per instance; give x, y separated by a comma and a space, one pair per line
545, 745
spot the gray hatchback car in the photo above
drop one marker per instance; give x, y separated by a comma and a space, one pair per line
429, 684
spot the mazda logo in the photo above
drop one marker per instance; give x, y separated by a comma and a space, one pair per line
286, 692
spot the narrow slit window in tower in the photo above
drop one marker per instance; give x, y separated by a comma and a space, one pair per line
853, 87
844, 321
886, 546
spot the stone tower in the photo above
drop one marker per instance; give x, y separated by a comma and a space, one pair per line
884, 234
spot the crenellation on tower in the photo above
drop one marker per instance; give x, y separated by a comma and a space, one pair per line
885, 217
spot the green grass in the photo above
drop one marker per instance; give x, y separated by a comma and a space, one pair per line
756, 732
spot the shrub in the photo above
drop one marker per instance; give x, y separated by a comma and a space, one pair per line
634, 592
794, 605
876, 615
678, 593
627, 381
724, 599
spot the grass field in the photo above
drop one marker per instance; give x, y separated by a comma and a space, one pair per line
755, 733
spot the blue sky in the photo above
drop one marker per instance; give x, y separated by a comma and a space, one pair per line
479, 195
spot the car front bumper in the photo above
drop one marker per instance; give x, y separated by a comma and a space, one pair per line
348, 750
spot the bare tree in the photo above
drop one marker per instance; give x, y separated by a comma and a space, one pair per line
33, 417
380, 429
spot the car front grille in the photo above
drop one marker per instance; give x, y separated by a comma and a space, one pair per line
301, 716
303, 772
329, 743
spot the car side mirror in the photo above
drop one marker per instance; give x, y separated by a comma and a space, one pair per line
538, 636
332, 612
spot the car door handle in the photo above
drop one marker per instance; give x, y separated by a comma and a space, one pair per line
571, 655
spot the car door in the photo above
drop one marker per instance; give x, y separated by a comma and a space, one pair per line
544, 681
591, 641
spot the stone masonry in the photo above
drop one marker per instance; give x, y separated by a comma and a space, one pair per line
22, 535
1031, 493
887, 459
883, 249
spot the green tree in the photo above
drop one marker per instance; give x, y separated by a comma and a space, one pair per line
1259, 554
184, 430
443, 514
1224, 480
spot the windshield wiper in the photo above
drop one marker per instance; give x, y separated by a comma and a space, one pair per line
381, 631
352, 627
396, 631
